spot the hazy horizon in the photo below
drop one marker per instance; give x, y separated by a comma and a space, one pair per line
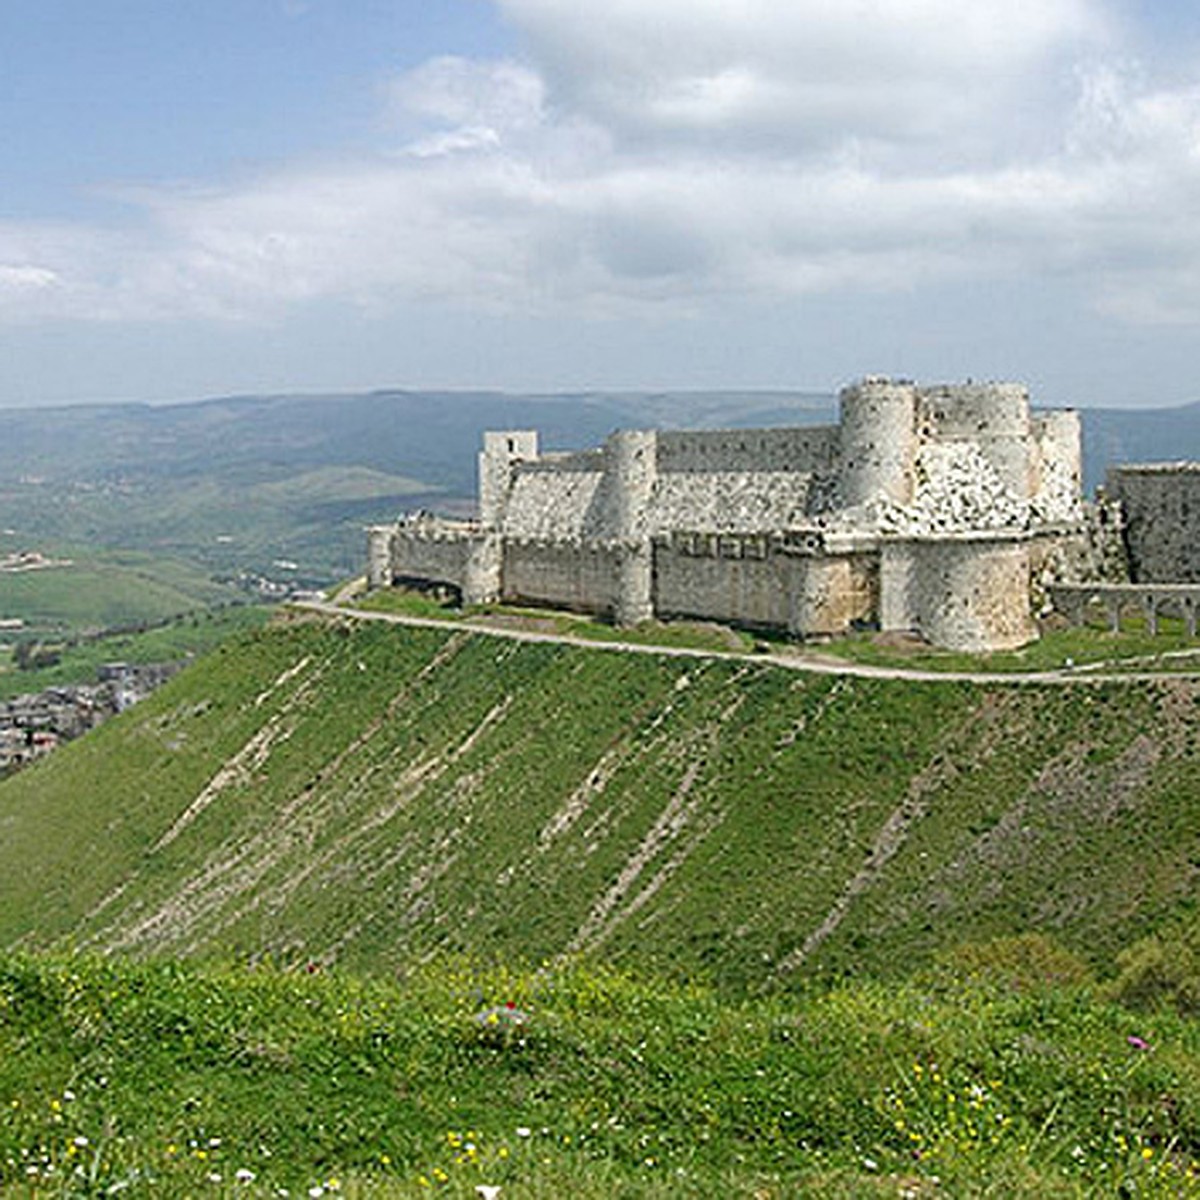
300, 196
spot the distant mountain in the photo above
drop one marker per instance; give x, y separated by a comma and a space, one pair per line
246, 482
1119, 435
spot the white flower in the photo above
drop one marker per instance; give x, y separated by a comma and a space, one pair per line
523, 1131
81, 1141
244, 1175
487, 1191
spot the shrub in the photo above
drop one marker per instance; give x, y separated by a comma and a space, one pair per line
1021, 963
1158, 973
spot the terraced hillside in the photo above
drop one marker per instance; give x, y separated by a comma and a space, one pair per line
372, 795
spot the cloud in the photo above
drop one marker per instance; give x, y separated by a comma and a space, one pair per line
676, 155
479, 95
805, 74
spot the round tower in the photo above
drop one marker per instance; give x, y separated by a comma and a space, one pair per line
878, 441
631, 467
995, 417
380, 539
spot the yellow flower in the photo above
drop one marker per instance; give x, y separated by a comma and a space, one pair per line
1147, 1152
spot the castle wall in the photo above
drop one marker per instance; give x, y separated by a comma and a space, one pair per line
899, 609
756, 581
432, 558
556, 501
1161, 503
732, 501
733, 580
753, 451
379, 555
575, 575
836, 592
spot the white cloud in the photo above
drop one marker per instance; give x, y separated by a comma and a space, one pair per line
475, 95
678, 154
804, 73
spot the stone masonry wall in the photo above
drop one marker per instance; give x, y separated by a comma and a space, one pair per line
811, 449
738, 581
555, 504
967, 593
1161, 504
575, 575
760, 581
436, 559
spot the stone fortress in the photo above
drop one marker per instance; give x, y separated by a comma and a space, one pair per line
935, 511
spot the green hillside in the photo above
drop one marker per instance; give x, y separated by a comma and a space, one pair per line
374, 796
98, 589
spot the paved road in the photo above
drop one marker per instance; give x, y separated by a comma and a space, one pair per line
799, 661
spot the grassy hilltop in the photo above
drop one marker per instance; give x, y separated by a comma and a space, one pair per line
581, 922
370, 796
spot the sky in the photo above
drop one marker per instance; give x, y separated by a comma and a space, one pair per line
209, 197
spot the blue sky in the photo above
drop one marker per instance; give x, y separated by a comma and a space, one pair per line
211, 196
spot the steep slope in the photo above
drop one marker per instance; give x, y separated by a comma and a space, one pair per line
372, 795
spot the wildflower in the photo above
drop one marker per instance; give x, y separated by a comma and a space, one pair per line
523, 1131
487, 1191
214, 1177
244, 1175
68, 1095
80, 1142
1138, 1043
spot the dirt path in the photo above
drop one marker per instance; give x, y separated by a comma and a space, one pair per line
816, 664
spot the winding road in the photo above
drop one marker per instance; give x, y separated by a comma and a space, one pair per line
798, 661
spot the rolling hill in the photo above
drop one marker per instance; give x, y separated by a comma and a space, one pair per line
339, 792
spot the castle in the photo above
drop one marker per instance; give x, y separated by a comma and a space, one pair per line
925, 510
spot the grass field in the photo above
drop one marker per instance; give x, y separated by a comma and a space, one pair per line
101, 589
169, 1080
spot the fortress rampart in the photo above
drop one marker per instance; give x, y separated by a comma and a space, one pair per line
1161, 507
923, 510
